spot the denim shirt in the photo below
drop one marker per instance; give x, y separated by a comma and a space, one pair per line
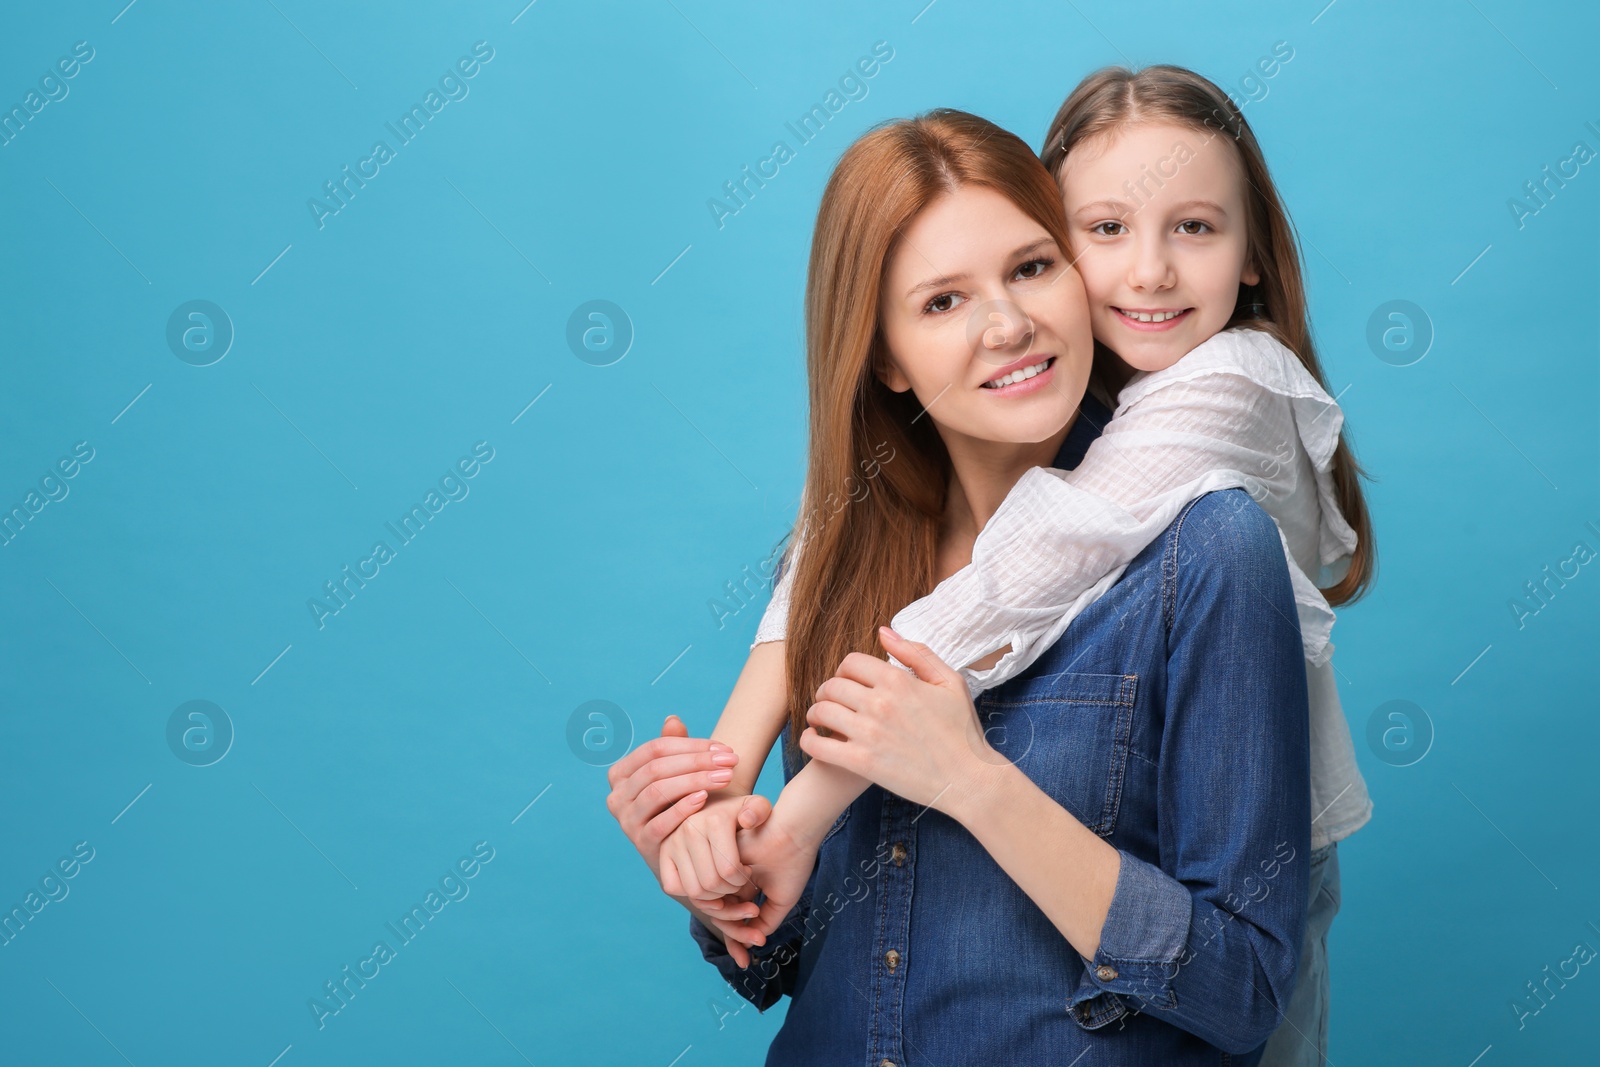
1171, 719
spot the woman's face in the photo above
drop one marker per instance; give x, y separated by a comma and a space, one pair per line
975, 293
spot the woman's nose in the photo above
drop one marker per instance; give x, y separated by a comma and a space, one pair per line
1001, 324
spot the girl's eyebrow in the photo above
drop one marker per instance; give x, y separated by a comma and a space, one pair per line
1096, 206
1123, 209
950, 279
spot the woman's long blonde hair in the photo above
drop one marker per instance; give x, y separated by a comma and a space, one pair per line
1114, 97
877, 472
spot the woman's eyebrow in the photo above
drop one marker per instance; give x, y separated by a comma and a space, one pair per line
950, 279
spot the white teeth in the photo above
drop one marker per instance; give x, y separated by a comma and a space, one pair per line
1018, 375
1159, 316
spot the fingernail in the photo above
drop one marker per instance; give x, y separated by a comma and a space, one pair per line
722, 777
725, 759
697, 795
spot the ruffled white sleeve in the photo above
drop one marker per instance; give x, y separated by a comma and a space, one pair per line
775, 620
1240, 410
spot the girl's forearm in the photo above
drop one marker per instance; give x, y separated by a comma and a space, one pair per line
754, 715
815, 798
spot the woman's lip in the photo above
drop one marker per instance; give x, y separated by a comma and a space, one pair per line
1027, 385
1153, 327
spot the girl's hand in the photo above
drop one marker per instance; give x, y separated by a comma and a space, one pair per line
701, 859
661, 783
781, 866
918, 737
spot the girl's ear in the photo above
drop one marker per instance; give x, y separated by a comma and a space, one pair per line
1250, 276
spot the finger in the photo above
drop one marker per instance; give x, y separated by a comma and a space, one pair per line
671, 884
735, 947
846, 691
773, 912
654, 748
674, 727
833, 717
724, 844
739, 907
920, 658
656, 790
707, 867
754, 810
870, 671
661, 827
830, 750
707, 759
743, 933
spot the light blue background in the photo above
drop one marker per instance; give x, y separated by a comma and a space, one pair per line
431, 311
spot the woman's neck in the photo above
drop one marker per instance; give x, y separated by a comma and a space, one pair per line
982, 473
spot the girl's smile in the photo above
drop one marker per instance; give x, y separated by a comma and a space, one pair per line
1162, 250
1151, 318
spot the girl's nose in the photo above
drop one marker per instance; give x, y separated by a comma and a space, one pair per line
1152, 269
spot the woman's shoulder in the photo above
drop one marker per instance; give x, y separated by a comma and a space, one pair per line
1224, 535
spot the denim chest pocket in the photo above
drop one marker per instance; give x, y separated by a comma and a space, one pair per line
1070, 734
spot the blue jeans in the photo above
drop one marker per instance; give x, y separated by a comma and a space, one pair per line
1302, 1038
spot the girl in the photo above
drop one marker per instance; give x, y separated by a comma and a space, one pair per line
1194, 282
1169, 894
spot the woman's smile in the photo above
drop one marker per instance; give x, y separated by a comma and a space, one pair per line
1023, 380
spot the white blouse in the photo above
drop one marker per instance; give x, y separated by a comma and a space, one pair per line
1240, 410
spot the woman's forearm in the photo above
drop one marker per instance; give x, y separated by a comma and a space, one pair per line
1072, 879
815, 798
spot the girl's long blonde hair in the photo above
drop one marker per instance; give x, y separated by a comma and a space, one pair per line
878, 472
1114, 97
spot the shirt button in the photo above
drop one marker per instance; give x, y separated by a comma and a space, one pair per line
1105, 973
899, 853
892, 958
885, 1063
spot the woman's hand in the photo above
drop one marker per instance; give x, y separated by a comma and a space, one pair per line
918, 737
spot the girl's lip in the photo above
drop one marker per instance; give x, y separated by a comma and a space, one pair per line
1153, 327
1027, 385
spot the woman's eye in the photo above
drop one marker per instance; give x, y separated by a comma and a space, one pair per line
1193, 227
1100, 229
941, 303
1035, 268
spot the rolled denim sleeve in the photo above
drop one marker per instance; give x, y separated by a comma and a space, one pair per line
1209, 941
773, 966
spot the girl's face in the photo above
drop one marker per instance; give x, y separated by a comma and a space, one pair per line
1157, 216
977, 292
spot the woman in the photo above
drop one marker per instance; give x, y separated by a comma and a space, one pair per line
1119, 833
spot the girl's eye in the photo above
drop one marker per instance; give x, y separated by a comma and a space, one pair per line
1198, 227
941, 303
1099, 229
1035, 268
